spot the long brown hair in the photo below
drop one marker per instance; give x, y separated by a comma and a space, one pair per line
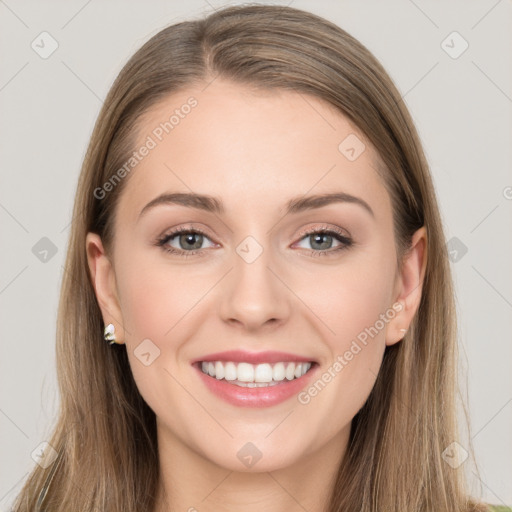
105, 435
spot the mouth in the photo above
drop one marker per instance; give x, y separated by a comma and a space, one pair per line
263, 379
249, 375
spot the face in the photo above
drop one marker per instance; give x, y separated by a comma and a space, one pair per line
282, 284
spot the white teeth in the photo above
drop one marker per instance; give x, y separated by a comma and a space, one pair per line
219, 370
290, 371
245, 372
278, 372
230, 372
254, 375
263, 373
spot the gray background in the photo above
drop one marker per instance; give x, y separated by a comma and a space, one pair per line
462, 109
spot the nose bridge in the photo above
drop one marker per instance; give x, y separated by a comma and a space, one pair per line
254, 295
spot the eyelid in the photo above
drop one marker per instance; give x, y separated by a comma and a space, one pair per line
325, 227
183, 228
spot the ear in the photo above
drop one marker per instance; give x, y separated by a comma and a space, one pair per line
409, 286
104, 283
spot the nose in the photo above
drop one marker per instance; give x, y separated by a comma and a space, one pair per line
253, 295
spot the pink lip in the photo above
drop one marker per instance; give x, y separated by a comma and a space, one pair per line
240, 356
256, 397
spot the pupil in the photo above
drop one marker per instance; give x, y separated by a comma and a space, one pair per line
189, 239
318, 239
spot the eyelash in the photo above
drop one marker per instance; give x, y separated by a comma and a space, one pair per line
346, 242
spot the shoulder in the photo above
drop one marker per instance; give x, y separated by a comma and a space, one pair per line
499, 508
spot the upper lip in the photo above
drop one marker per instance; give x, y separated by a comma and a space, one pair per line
241, 356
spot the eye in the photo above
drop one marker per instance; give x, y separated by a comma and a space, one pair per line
322, 240
183, 241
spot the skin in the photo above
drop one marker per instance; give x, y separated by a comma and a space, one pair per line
255, 151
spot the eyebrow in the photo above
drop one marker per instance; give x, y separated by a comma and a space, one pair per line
214, 205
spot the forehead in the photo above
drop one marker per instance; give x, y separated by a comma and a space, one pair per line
251, 148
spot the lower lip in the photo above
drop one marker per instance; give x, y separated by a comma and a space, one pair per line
256, 397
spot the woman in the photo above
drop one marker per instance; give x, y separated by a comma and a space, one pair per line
300, 353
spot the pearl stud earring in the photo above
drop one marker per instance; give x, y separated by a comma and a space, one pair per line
109, 334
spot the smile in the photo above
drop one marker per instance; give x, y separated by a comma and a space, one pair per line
254, 375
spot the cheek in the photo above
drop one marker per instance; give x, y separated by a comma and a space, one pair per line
163, 306
351, 298
156, 296
158, 303
355, 304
